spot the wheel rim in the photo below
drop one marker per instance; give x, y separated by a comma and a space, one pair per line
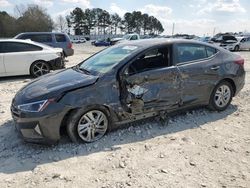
222, 96
92, 125
40, 69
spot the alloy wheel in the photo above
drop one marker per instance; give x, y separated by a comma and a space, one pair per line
92, 125
222, 96
40, 68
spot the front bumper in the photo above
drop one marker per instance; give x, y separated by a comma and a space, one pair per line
230, 48
38, 128
57, 63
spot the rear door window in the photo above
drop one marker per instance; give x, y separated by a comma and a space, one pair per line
11, 47
190, 52
60, 38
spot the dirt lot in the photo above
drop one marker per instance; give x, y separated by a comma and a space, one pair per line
196, 149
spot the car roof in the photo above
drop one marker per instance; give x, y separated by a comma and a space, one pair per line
146, 43
42, 33
18, 40
27, 41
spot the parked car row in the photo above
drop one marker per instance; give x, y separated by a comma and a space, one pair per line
109, 42
228, 42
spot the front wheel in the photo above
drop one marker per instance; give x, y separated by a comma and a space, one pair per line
221, 96
88, 125
236, 48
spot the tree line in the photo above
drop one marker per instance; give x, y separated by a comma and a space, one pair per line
99, 21
33, 18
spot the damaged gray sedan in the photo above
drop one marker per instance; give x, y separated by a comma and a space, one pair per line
125, 83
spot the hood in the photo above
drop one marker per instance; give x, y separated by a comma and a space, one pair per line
53, 85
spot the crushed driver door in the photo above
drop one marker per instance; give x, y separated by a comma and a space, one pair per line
152, 90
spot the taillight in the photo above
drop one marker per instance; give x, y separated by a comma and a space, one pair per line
240, 62
69, 45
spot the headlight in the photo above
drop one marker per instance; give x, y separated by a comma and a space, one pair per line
35, 106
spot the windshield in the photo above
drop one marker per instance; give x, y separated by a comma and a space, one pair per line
105, 60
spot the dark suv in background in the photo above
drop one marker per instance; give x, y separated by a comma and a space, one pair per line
57, 40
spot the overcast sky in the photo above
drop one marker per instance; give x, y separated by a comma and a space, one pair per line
190, 16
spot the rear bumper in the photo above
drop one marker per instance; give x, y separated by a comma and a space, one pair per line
68, 51
240, 82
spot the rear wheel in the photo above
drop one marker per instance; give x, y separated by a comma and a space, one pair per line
221, 96
88, 125
39, 68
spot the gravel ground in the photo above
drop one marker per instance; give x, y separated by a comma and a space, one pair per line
197, 149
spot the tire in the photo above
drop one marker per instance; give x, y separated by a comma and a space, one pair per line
81, 126
39, 68
236, 48
221, 96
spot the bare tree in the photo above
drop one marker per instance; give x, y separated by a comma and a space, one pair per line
33, 19
61, 23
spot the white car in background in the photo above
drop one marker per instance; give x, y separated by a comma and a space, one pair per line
24, 57
132, 36
244, 43
227, 42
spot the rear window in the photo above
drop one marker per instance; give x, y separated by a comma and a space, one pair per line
9, 47
60, 38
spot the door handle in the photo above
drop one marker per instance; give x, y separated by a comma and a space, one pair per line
215, 67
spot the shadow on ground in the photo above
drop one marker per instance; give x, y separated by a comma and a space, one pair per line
10, 79
17, 156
